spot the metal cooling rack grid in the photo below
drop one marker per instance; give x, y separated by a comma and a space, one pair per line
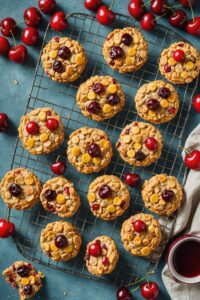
61, 97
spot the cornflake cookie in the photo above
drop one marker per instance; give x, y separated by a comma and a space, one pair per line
60, 241
180, 63
89, 150
41, 131
100, 98
162, 194
157, 102
60, 197
140, 144
20, 189
141, 234
63, 59
101, 256
108, 197
24, 276
125, 50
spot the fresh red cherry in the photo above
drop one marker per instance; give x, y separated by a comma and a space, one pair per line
148, 22
32, 128
193, 26
52, 124
95, 249
4, 45
158, 7
178, 18
196, 103
151, 143
8, 26
18, 54
30, 36
95, 206
32, 17
58, 167
139, 226
149, 290
192, 160
179, 55
6, 228
58, 21
105, 261
123, 294
104, 15
132, 179
47, 6
167, 68
136, 8
187, 3
4, 122
92, 4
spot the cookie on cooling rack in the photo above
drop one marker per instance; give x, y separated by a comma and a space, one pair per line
101, 256
157, 102
20, 189
59, 196
180, 63
41, 131
108, 197
100, 97
125, 50
140, 144
141, 234
24, 276
63, 59
162, 194
60, 241
89, 150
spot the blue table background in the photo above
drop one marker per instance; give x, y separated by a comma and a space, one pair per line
15, 84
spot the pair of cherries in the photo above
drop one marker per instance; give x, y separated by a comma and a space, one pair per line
104, 14
33, 128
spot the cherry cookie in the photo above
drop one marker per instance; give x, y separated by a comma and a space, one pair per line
100, 98
60, 241
89, 150
140, 144
162, 194
141, 234
63, 59
20, 189
101, 256
60, 197
125, 50
24, 276
108, 197
180, 63
157, 102
41, 131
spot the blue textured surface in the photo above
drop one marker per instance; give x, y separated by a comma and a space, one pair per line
13, 98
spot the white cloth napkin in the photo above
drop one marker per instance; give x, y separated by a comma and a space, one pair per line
188, 217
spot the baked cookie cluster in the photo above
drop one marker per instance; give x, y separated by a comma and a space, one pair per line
24, 276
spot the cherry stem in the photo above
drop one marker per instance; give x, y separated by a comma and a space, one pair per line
7, 214
14, 40
160, 17
111, 5
187, 150
147, 3
141, 279
192, 11
57, 159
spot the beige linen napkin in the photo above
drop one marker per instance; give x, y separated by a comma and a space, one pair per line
188, 217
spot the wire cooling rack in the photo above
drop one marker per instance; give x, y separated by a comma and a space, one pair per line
61, 97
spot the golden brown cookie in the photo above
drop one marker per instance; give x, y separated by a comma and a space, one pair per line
59, 196
60, 241
20, 189
157, 102
108, 197
125, 50
141, 234
63, 59
24, 276
162, 194
101, 256
89, 150
180, 63
100, 97
41, 131
140, 144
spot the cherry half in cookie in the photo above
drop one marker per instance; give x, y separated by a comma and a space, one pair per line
153, 104
179, 55
98, 88
94, 150
64, 52
32, 128
116, 52
94, 107
23, 271
167, 195
105, 191
127, 39
151, 143
95, 249
139, 226
50, 194
28, 289
61, 241
113, 99
164, 92
52, 124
